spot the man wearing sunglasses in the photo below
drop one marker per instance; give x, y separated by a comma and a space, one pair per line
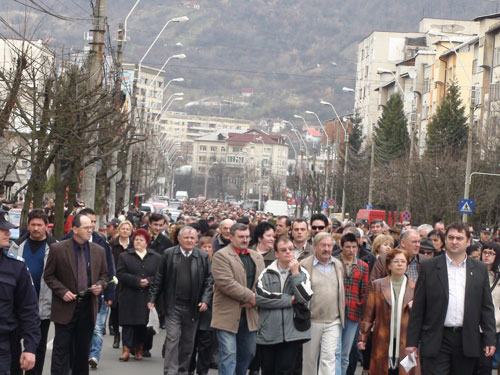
319, 223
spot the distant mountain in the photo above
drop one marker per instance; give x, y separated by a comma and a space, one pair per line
291, 53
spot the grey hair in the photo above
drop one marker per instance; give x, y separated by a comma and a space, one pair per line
406, 232
237, 226
321, 236
186, 228
427, 227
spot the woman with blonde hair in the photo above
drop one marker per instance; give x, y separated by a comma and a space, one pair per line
382, 244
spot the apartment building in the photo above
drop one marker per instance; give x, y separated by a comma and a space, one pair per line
150, 85
393, 61
252, 160
185, 128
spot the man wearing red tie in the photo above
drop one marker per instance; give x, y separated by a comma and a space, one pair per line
235, 270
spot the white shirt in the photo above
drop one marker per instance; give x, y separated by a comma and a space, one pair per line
299, 251
456, 287
185, 253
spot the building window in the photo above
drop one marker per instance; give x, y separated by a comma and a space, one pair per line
213, 148
237, 149
427, 85
202, 158
203, 148
496, 57
495, 91
366, 71
474, 67
222, 149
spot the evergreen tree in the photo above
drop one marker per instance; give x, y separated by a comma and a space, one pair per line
356, 135
448, 127
392, 138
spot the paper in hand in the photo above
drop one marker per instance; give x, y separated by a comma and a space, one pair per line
409, 362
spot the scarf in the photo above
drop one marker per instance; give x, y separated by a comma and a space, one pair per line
241, 251
396, 326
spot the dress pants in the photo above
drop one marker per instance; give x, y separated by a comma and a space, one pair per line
181, 331
279, 359
40, 352
322, 346
113, 318
5, 354
450, 359
205, 344
72, 342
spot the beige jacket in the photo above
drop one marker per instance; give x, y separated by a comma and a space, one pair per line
307, 263
230, 280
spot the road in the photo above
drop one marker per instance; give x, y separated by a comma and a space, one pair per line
109, 363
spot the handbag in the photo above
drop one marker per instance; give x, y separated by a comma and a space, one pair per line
301, 317
153, 326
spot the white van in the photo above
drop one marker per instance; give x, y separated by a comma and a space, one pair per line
277, 208
181, 195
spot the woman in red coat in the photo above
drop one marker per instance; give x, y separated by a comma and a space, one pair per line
388, 312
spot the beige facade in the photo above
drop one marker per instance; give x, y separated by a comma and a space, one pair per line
252, 160
403, 54
149, 93
184, 128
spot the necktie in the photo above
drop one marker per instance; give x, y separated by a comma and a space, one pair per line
82, 270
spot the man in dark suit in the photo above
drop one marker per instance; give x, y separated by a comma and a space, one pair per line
75, 271
159, 243
452, 302
185, 279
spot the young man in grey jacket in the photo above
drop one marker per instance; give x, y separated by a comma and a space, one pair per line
282, 285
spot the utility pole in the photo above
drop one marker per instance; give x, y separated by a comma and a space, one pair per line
87, 192
468, 165
128, 170
372, 171
117, 90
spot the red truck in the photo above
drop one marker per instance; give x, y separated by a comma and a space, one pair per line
390, 217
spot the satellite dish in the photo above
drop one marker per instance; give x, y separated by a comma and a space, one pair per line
412, 72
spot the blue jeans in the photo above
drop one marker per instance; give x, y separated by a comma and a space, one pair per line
344, 346
236, 350
96, 344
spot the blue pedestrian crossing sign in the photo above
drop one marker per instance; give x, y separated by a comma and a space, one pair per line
466, 206
324, 205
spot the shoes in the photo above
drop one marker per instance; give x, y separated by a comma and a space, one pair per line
93, 363
138, 352
116, 342
214, 365
125, 354
254, 372
146, 354
162, 325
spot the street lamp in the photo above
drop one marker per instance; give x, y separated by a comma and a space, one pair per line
327, 164
180, 56
346, 140
176, 19
468, 163
126, 21
176, 99
180, 79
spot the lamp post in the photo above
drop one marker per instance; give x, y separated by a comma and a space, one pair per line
180, 79
176, 19
346, 141
327, 164
172, 101
126, 21
468, 163
179, 56
172, 165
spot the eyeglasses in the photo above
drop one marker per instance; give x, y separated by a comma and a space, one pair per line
318, 227
286, 250
489, 253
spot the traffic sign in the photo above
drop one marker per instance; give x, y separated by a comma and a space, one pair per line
331, 202
369, 207
324, 205
406, 216
466, 206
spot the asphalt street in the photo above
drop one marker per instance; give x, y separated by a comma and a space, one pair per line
109, 363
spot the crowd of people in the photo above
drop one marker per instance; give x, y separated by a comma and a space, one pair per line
246, 292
